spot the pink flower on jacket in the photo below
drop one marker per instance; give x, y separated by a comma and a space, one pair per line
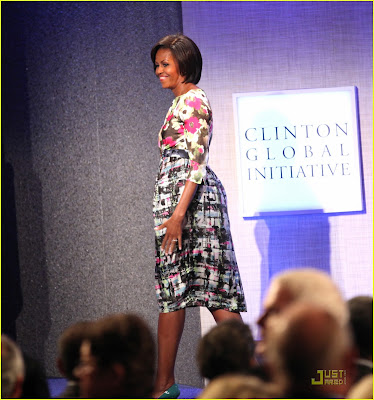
194, 165
169, 141
192, 124
195, 103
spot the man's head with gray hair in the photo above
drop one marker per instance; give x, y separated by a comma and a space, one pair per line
302, 285
304, 340
12, 368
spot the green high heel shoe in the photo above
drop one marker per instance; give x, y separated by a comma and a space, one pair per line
172, 392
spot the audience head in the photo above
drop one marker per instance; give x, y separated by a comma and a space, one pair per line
237, 386
361, 321
118, 359
69, 345
305, 339
226, 348
12, 369
363, 389
306, 285
35, 383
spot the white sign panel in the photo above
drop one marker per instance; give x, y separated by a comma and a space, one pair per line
298, 151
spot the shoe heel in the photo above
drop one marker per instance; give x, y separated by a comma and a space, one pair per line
172, 392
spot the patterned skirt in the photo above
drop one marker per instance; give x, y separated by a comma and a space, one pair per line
205, 271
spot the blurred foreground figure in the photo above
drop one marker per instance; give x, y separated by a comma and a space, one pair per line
361, 322
226, 348
12, 369
301, 285
118, 359
363, 389
236, 386
310, 355
35, 383
69, 345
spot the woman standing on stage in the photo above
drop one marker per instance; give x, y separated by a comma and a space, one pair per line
195, 259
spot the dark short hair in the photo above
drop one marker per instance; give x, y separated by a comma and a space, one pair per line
126, 339
69, 345
361, 321
186, 53
226, 348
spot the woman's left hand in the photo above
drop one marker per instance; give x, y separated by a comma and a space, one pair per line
172, 236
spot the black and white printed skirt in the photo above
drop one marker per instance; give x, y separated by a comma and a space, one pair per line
205, 271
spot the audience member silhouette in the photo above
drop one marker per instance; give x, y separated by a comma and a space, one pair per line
237, 386
310, 355
12, 369
303, 284
309, 336
226, 348
118, 359
35, 384
69, 345
361, 322
363, 389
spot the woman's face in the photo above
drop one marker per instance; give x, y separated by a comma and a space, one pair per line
167, 70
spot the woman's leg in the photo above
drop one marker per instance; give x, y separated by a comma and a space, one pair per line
220, 315
170, 329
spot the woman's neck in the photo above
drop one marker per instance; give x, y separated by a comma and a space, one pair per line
183, 89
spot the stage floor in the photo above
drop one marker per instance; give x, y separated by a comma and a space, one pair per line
57, 385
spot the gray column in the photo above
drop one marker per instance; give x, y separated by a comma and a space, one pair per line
81, 137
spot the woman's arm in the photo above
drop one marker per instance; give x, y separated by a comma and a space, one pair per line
174, 224
194, 116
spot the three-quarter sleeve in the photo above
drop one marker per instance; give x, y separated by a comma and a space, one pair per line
196, 115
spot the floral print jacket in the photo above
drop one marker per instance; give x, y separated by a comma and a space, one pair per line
188, 126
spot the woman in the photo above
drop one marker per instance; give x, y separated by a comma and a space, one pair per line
195, 260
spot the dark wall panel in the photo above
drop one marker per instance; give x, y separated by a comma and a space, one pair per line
80, 133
